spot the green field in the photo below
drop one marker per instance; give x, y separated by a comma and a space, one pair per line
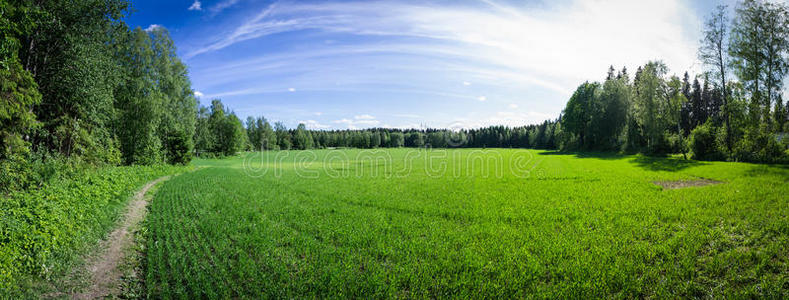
467, 223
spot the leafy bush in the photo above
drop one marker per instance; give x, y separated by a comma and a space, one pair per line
759, 145
703, 143
42, 230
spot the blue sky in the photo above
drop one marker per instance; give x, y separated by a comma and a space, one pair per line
448, 64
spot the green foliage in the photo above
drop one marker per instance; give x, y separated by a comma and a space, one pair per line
89, 88
578, 113
156, 107
649, 105
302, 139
283, 136
759, 48
18, 94
611, 117
760, 145
68, 55
44, 230
178, 148
704, 144
581, 226
219, 131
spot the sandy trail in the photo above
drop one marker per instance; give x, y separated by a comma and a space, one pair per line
104, 273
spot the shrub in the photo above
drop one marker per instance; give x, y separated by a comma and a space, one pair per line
759, 145
704, 144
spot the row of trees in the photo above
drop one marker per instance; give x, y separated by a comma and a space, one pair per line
719, 118
219, 132
78, 85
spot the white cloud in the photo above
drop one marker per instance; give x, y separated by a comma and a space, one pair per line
153, 27
291, 90
554, 46
360, 121
466, 83
364, 117
198, 94
482, 98
312, 124
196, 6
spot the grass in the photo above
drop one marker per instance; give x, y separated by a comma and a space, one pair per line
343, 224
46, 232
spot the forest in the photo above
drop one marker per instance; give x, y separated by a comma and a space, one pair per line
80, 88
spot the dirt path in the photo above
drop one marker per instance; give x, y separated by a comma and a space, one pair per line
104, 273
679, 184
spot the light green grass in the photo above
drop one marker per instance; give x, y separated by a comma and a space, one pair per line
575, 225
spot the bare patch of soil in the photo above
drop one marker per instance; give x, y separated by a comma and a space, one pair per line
680, 184
105, 275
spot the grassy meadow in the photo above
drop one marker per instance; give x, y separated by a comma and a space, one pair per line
468, 223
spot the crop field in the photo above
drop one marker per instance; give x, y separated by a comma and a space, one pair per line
408, 223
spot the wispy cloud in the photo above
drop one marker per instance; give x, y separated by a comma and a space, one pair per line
222, 5
198, 94
385, 58
196, 6
554, 48
152, 27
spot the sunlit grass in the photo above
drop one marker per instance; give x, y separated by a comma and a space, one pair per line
552, 225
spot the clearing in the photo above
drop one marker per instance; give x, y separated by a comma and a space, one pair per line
467, 223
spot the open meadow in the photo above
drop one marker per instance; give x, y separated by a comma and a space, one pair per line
467, 223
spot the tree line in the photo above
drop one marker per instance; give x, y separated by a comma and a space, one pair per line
214, 138
80, 87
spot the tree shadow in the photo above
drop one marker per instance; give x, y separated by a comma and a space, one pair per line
777, 170
598, 155
668, 164
652, 163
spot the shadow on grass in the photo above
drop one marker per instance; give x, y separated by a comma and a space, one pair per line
598, 155
652, 163
670, 164
777, 170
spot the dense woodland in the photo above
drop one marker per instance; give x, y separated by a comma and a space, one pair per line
81, 88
